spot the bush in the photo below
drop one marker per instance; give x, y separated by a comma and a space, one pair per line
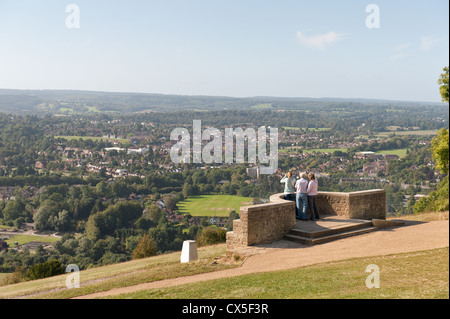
47, 269
145, 248
437, 201
211, 236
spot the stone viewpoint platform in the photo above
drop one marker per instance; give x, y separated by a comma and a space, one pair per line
327, 229
342, 215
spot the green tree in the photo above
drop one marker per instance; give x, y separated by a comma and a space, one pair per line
44, 217
47, 269
154, 214
211, 236
12, 210
233, 215
440, 142
187, 190
439, 199
443, 85
146, 247
440, 149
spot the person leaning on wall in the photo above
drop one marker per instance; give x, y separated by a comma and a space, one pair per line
289, 187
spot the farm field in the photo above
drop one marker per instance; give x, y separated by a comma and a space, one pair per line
309, 151
213, 205
262, 106
402, 133
324, 150
320, 129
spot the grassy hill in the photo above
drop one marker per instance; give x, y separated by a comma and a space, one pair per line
418, 274
120, 275
399, 275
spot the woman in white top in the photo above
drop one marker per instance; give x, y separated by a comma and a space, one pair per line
301, 198
312, 195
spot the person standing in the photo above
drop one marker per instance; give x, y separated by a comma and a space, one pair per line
301, 198
312, 192
289, 187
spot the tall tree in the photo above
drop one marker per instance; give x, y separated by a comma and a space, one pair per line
439, 199
440, 143
145, 248
440, 149
443, 85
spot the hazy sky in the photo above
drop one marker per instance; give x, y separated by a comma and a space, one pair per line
239, 48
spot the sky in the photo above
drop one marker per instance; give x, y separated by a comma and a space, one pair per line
394, 50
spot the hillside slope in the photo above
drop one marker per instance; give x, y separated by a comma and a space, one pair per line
283, 255
166, 271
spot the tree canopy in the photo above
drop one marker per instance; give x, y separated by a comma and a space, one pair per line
443, 85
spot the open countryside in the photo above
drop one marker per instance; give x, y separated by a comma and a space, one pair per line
118, 182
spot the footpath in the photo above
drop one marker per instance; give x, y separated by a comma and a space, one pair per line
283, 255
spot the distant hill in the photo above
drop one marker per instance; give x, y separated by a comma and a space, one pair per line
73, 101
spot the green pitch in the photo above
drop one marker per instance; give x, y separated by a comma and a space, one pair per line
213, 205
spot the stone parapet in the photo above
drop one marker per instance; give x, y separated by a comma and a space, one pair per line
263, 223
259, 224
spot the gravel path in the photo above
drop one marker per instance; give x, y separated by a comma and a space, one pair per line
282, 255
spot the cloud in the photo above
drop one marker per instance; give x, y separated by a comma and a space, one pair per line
319, 41
402, 46
399, 49
428, 42
397, 56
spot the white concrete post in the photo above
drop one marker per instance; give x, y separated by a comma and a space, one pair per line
189, 252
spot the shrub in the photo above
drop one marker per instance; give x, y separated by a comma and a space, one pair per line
437, 201
145, 248
47, 269
211, 236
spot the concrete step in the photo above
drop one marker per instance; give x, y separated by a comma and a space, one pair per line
329, 237
317, 232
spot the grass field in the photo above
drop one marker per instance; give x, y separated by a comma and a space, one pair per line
23, 239
262, 106
304, 128
309, 151
213, 205
414, 275
120, 275
400, 152
93, 138
420, 133
3, 276
324, 150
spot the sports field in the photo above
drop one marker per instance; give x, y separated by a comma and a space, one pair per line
93, 138
400, 152
213, 205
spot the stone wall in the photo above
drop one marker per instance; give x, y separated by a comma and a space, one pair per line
262, 223
359, 205
265, 223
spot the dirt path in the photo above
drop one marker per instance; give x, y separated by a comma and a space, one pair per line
284, 255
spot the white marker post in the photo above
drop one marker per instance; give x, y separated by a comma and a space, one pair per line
189, 252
